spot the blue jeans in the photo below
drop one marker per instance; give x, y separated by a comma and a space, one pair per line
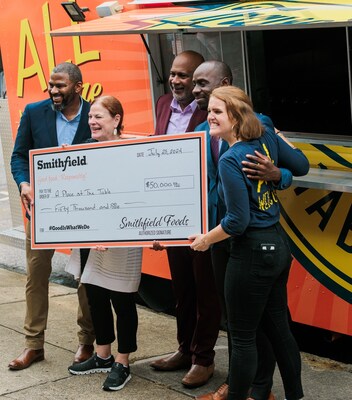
256, 301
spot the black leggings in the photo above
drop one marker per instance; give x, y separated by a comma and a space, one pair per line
124, 304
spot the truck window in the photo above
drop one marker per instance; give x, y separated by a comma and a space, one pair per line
224, 46
301, 78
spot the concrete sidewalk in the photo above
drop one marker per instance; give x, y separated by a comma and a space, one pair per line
49, 379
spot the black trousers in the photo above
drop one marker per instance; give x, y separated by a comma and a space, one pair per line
198, 310
256, 299
100, 300
263, 382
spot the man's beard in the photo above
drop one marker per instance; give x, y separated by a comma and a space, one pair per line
57, 107
183, 98
66, 100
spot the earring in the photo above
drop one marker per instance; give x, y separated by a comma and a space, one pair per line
115, 131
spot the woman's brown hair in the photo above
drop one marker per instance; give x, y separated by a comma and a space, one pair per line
239, 108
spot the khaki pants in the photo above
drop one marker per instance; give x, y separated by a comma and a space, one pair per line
37, 299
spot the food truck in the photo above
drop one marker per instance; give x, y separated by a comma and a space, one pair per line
292, 57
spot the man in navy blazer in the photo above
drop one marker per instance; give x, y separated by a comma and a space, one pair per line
62, 119
197, 305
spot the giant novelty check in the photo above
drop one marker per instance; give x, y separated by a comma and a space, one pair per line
120, 193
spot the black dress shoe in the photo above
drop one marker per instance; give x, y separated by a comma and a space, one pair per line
174, 362
83, 353
26, 359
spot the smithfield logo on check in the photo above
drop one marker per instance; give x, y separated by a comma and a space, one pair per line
62, 163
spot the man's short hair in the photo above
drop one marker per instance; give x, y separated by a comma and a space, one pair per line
73, 72
223, 69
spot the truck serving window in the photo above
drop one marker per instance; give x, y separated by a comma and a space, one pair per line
301, 78
224, 46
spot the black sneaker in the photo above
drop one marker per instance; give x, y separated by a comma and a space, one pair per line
92, 365
117, 378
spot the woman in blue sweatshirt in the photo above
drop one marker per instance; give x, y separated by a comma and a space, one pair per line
260, 260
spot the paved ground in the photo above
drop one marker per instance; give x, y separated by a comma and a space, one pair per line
323, 378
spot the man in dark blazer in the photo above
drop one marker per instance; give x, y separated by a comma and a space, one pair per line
62, 119
208, 76
197, 305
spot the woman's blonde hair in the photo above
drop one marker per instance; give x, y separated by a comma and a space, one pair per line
239, 108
